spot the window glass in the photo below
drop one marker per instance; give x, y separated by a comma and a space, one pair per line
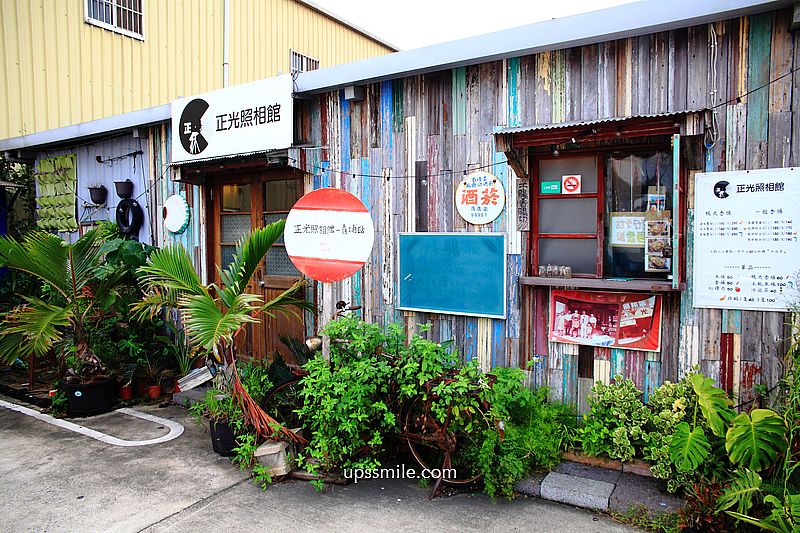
585, 166
121, 16
576, 253
280, 195
638, 190
235, 198
233, 227
567, 215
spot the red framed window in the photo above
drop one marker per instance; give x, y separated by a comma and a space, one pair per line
617, 225
568, 225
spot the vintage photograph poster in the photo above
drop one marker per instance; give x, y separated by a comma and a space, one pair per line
746, 249
614, 320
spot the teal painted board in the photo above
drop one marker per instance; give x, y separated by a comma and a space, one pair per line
652, 378
453, 273
617, 363
513, 74
758, 76
731, 321
570, 377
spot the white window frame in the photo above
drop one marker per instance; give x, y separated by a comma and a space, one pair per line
113, 26
306, 59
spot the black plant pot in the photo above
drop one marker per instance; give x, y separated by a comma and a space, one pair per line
98, 195
86, 399
223, 440
124, 188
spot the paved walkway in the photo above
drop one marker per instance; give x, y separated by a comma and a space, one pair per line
58, 480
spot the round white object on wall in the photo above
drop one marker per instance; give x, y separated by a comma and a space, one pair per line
480, 197
176, 214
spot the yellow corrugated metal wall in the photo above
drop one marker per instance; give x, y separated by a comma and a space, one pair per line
59, 70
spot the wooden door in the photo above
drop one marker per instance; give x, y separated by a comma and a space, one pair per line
279, 192
239, 205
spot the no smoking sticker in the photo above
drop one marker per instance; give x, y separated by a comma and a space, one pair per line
571, 184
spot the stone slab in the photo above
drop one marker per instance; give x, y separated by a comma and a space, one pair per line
530, 485
587, 471
191, 396
638, 492
578, 491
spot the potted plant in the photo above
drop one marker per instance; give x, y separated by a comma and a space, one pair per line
214, 314
178, 348
63, 315
124, 188
98, 193
148, 365
225, 418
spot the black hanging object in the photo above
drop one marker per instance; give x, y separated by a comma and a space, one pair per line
124, 188
129, 217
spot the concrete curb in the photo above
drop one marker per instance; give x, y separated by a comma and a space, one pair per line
600, 489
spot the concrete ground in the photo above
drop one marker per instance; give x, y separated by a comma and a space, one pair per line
52, 479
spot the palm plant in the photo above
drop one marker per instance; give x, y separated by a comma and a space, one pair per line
69, 270
214, 314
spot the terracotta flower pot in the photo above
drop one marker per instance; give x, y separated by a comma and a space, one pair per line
154, 392
126, 392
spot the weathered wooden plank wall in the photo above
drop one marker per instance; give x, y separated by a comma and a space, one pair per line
163, 182
409, 141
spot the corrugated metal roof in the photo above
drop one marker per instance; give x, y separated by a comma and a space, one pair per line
283, 152
337, 18
102, 126
628, 20
564, 125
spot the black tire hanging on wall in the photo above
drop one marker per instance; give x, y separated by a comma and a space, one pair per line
129, 217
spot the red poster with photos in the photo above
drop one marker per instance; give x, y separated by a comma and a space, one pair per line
610, 319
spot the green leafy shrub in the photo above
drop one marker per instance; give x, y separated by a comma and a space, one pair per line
674, 415
616, 424
343, 401
531, 439
219, 406
245, 458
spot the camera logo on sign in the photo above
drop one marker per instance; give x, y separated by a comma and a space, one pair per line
720, 189
191, 125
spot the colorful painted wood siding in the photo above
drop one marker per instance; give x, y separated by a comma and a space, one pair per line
163, 182
405, 146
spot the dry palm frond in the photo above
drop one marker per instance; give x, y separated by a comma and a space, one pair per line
265, 425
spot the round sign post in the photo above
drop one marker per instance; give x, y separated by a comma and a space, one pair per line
329, 235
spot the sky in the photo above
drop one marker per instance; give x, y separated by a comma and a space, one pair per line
416, 23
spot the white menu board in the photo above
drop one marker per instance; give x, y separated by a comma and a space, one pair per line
746, 249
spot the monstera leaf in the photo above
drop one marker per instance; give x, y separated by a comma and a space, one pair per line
714, 403
755, 440
740, 492
688, 447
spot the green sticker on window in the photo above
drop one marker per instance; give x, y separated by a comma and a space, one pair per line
550, 187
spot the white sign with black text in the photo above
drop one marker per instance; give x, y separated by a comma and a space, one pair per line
253, 117
746, 249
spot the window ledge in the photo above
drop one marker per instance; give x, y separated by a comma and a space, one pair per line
595, 283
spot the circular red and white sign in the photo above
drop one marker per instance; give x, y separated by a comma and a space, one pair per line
571, 184
329, 235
